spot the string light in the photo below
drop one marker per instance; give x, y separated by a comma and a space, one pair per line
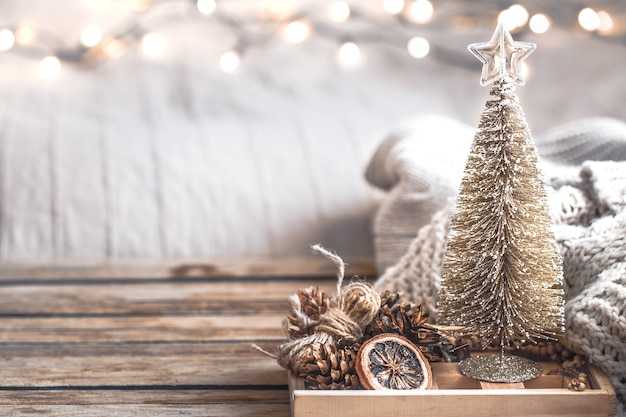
349, 55
418, 47
393, 6
421, 11
25, 35
514, 17
297, 31
285, 18
229, 61
152, 45
113, 48
339, 11
589, 19
7, 40
605, 21
539, 23
49, 67
206, 7
90, 36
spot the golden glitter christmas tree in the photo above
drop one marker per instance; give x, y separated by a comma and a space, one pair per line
501, 274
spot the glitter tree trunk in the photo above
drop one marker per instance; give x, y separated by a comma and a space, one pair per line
501, 274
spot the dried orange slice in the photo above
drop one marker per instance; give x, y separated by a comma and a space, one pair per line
391, 361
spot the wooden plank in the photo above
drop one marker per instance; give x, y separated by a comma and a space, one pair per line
139, 365
145, 347
150, 328
150, 410
143, 396
129, 350
314, 265
448, 403
601, 381
194, 369
152, 298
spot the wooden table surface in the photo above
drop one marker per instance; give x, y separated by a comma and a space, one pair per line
148, 340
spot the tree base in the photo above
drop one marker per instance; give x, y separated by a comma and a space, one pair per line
500, 368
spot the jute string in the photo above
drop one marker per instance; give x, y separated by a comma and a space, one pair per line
353, 308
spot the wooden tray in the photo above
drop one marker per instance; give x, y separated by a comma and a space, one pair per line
455, 395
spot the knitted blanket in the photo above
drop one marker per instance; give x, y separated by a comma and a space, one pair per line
584, 165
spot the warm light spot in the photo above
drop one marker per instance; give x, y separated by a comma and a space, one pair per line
113, 48
339, 11
90, 36
278, 9
393, 6
229, 61
514, 17
153, 44
206, 7
418, 47
605, 21
49, 67
539, 23
421, 11
7, 40
25, 35
139, 5
589, 19
518, 14
297, 31
349, 55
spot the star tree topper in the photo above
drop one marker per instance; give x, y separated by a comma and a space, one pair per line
502, 57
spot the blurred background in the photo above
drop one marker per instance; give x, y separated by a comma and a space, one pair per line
209, 128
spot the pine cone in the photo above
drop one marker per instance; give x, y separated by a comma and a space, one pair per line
331, 368
305, 308
390, 299
408, 320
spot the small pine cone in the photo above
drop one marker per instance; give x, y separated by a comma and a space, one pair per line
389, 299
408, 320
331, 368
305, 308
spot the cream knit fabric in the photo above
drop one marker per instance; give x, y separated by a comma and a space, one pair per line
420, 165
587, 194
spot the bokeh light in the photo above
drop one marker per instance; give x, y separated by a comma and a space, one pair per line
349, 55
589, 19
539, 23
339, 11
418, 47
297, 31
49, 67
206, 7
229, 61
153, 45
421, 11
7, 39
90, 36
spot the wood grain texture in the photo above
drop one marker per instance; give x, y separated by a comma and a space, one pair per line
165, 344
149, 345
120, 269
